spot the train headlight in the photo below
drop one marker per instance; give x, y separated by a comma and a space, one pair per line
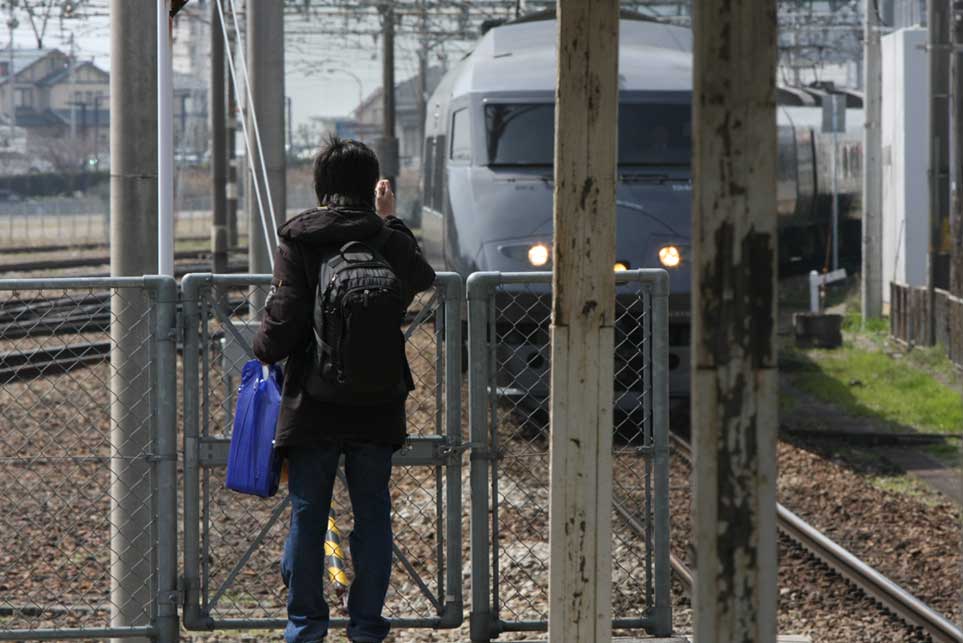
538, 255
670, 256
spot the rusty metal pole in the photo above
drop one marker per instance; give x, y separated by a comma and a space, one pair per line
735, 379
388, 145
218, 108
939, 59
583, 313
956, 214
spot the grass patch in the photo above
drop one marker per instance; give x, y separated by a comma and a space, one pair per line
871, 383
948, 453
905, 485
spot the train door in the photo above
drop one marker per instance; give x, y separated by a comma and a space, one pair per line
432, 212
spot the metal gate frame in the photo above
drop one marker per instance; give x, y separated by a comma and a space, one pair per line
161, 456
485, 621
443, 449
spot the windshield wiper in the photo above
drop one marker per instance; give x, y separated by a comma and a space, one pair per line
638, 208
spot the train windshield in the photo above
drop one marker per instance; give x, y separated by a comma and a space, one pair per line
649, 134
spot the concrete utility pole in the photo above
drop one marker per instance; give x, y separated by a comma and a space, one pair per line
734, 362
232, 184
72, 80
956, 214
12, 77
583, 320
421, 90
872, 286
265, 59
937, 12
133, 252
388, 149
219, 242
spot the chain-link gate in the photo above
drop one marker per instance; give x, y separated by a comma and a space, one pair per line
509, 374
233, 543
88, 458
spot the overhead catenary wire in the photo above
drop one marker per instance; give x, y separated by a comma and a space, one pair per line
229, 56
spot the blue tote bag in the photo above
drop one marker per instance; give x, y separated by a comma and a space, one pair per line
253, 465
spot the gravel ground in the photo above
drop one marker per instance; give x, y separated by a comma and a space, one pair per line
56, 513
920, 550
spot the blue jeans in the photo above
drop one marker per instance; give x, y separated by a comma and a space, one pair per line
311, 474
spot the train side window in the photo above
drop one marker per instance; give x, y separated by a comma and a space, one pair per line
460, 136
428, 171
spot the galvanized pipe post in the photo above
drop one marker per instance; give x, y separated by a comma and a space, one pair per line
133, 252
734, 362
479, 286
454, 291
164, 403
658, 353
583, 323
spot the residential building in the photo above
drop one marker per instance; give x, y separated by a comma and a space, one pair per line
191, 57
62, 107
408, 129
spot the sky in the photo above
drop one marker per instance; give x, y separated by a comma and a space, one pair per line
314, 91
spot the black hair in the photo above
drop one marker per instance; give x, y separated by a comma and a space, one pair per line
345, 173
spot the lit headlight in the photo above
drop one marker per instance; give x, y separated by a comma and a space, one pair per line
670, 256
538, 255
621, 266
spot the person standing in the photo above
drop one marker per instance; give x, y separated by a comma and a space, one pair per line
345, 381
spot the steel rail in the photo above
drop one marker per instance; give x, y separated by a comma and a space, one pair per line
891, 596
87, 262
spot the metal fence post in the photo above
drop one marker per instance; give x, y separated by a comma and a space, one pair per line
662, 610
190, 288
454, 292
164, 366
479, 292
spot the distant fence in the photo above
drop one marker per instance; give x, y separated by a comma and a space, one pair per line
909, 320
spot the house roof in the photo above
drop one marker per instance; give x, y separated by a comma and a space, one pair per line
64, 74
23, 58
406, 91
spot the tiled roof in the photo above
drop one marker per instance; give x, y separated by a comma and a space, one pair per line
22, 58
63, 74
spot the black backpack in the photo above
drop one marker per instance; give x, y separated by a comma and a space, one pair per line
358, 356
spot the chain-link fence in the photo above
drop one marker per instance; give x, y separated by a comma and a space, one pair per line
509, 371
88, 467
233, 543
87, 458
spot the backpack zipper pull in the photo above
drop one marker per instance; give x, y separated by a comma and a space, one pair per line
365, 300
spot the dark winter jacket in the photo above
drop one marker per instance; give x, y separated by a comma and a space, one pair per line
286, 327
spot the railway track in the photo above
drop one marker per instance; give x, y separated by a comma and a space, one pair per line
17, 366
87, 262
885, 592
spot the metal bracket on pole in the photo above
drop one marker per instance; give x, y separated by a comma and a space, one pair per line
816, 281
